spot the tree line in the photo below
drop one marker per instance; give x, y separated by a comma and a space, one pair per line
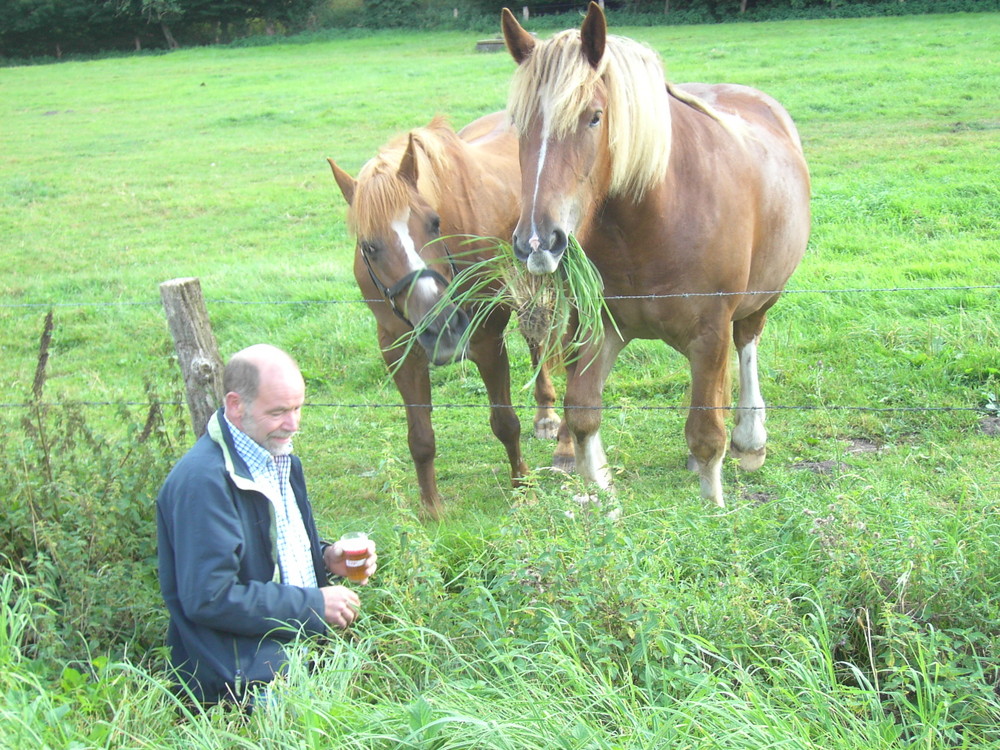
55, 28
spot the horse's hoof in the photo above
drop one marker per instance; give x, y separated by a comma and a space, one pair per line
547, 429
432, 509
750, 460
565, 464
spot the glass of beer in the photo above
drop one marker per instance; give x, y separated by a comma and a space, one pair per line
355, 545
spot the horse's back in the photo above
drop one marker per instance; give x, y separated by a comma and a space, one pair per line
488, 128
751, 106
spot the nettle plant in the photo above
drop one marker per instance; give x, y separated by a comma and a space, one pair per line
77, 517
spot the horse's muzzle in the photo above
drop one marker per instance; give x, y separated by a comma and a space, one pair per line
541, 257
442, 338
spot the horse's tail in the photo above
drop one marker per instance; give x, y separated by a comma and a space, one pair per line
700, 105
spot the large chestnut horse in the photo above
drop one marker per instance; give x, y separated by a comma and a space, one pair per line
409, 208
672, 191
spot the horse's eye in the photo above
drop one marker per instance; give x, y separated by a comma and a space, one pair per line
368, 249
596, 119
435, 225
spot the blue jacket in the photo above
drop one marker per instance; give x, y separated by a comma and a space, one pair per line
230, 615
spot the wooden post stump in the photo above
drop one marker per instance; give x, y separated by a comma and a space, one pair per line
197, 353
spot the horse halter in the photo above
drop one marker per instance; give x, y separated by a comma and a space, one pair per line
391, 292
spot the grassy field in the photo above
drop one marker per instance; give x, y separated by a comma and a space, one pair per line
846, 598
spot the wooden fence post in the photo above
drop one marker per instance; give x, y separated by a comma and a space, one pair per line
197, 352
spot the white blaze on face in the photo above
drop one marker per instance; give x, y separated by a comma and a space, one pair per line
402, 229
542, 262
534, 241
425, 287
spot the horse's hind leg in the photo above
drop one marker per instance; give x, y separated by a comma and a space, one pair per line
749, 439
547, 421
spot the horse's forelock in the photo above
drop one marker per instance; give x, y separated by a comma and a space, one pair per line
380, 197
557, 75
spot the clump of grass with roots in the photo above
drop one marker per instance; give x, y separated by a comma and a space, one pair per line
546, 305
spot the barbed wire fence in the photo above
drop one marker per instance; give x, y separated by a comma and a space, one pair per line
992, 409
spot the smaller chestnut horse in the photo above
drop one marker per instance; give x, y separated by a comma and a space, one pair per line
424, 191
693, 203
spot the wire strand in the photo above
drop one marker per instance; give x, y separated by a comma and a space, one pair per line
526, 407
849, 290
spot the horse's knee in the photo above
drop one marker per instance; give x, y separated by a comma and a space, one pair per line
422, 448
505, 425
582, 422
706, 439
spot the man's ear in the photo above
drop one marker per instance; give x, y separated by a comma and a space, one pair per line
234, 407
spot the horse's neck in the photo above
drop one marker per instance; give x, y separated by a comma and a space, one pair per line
482, 187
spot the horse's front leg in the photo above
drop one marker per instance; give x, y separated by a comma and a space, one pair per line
705, 428
547, 421
489, 351
585, 378
413, 382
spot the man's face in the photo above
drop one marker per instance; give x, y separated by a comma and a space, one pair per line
273, 416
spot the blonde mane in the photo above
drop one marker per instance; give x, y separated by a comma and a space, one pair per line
382, 196
557, 74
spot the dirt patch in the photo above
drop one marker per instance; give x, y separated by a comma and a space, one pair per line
822, 467
758, 498
863, 445
990, 426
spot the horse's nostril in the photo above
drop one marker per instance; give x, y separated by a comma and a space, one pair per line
518, 246
459, 320
558, 244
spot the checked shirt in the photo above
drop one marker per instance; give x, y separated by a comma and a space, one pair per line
271, 473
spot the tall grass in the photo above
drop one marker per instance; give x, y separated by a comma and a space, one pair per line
429, 690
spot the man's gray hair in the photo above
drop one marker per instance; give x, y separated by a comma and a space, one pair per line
242, 377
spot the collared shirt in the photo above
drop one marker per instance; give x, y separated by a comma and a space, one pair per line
271, 473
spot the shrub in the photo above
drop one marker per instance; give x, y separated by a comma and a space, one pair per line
77, 518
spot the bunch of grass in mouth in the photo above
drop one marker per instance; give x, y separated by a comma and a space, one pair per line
546, 306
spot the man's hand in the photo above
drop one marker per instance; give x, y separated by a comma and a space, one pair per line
333, 556
340, 605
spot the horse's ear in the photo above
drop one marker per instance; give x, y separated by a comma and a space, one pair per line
408, 164
344, 180
594, 34
519, 42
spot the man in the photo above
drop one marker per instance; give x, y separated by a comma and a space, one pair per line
242, 568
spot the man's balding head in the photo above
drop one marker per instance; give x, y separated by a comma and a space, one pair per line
264, 395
